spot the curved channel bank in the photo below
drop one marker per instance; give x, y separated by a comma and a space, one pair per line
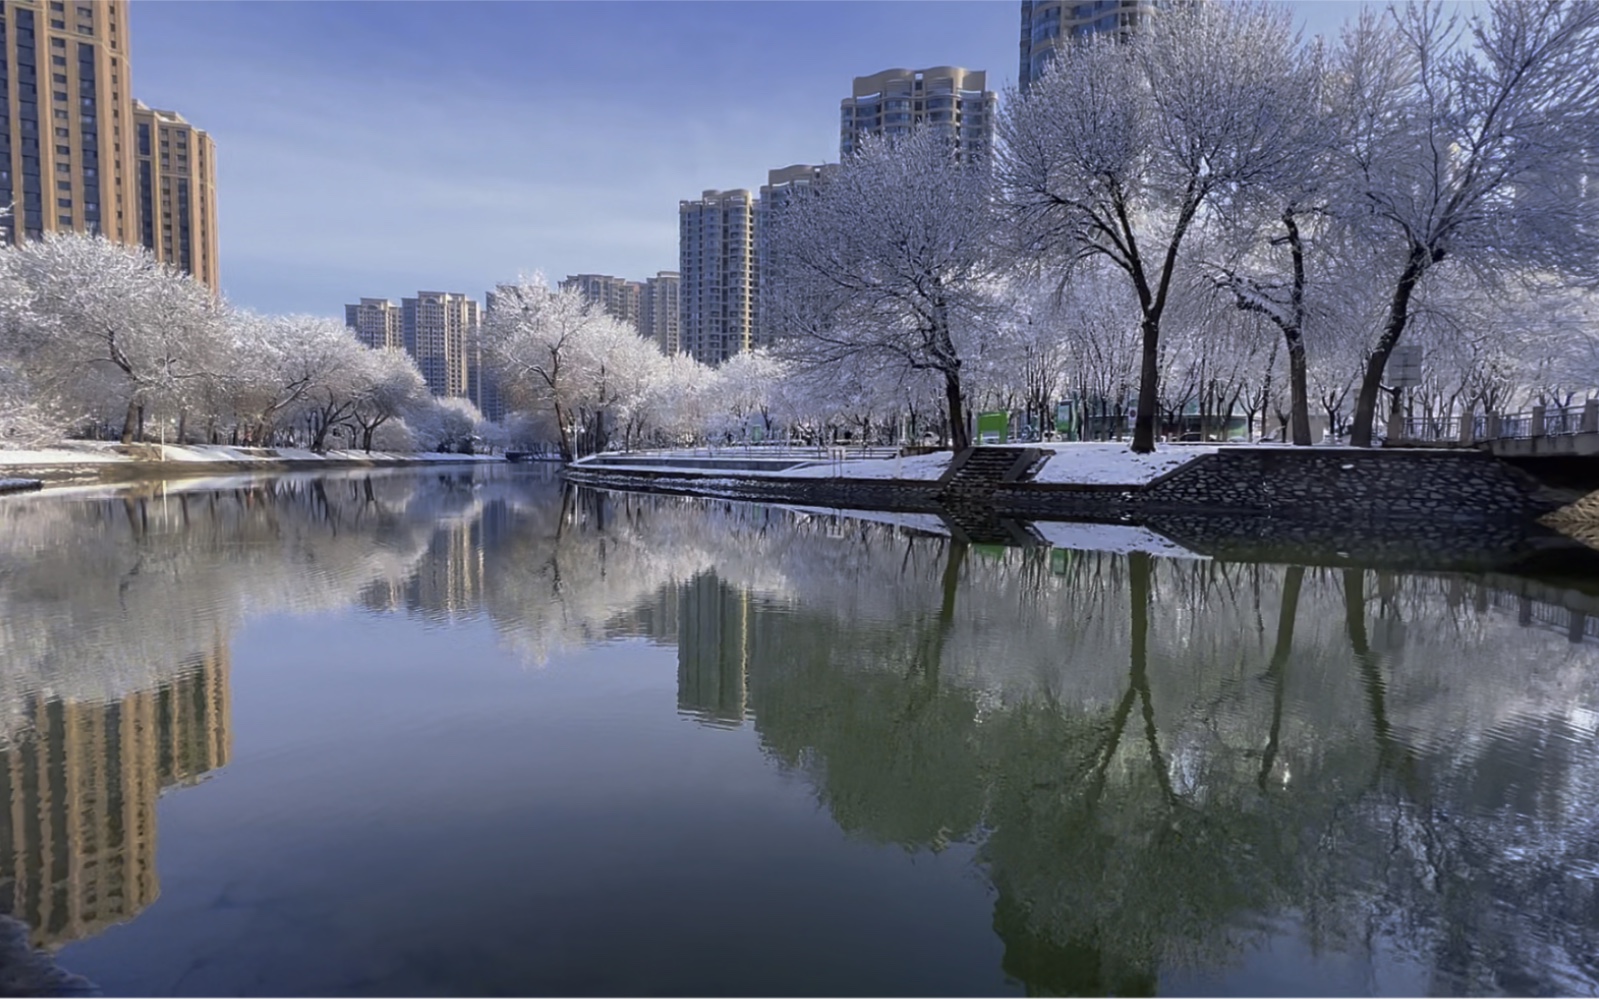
1332, 505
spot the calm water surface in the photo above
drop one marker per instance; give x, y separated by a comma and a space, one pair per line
470, 732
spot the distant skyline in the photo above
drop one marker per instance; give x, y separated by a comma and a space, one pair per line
379, 149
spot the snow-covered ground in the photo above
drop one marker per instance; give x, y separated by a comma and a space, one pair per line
922, 467
1100, 463
1117, 538
104, 453
1113, 462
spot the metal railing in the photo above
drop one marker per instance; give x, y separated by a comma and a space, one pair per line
1540, 421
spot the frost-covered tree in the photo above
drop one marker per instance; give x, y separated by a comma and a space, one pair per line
1478, 152
884, 265
393, 390
96, 314
555, 351
1272, 233
1115, 154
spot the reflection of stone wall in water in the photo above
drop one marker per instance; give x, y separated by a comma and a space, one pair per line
79, 783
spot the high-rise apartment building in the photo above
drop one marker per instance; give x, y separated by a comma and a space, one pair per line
949, 99
658, 312
619, 297
70, 155
1045, 22
439, 330
781, 188
377, 323
66, 152
177, 192
716, 253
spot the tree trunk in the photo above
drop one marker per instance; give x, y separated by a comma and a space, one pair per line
1144, 422
1398, 315
1298, 393
130, 421
958, 436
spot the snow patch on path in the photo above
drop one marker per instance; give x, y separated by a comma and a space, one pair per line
1112, 463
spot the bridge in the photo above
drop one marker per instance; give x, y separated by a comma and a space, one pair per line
1541, 432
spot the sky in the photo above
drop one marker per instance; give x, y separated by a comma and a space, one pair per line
380, 148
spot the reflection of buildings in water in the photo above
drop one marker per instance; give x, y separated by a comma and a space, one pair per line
80, 781
713, 651
449, 582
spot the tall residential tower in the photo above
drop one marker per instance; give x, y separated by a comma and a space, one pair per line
79, 154
619, 297
658, 312
716, 251
177, 192
955, 101
1045, 22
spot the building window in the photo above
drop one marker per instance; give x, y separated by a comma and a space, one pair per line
63, 150
62, 133
63, 202
64, 219
56, 60
58, 25
84, 29
64, 185
58, 43
60, 78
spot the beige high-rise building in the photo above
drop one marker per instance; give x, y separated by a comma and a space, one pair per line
1046, 22
716, 253
781, 187
377, 323
952, 100
71, 159
177, 192
66, 151
658, 311
440, 331
619, 297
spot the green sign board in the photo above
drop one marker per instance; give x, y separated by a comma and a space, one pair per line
1064, 421
993, 428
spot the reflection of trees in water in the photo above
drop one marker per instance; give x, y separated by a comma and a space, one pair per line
1158, 755
1149, 752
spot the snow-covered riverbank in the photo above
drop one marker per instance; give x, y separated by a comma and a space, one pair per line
79, 461
1085, 463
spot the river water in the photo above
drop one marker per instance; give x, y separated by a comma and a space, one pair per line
466, 731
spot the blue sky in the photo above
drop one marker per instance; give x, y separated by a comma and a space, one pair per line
379, 148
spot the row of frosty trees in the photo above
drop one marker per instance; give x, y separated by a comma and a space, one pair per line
100, 340
1215, 216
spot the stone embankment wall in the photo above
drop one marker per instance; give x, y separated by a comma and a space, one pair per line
858, 494
1426, 489
1315, 484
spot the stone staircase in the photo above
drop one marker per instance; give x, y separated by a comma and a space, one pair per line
967, 492
977, 472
